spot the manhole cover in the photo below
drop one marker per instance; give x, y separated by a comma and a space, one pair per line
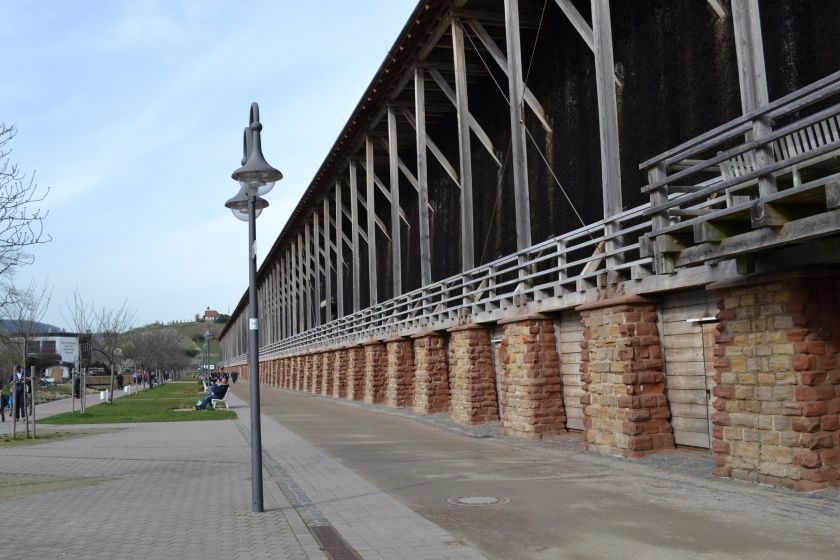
477, 501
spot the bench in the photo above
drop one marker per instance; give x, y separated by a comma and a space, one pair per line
215, 402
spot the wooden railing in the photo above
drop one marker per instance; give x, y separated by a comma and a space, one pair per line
539, 276
712, 196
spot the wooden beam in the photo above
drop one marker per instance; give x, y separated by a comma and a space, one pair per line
497, 55
517, 126
607, 109
327, 261
386, 191
354, 221
577, 21
450, 170
371, 221
422, 177
465, 157
307, 270
316, 256
813, 227
718, 8
474, 126
752, 79
749, 52
379, 223
339, 253
393, 168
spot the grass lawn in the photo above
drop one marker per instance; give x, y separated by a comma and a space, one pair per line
172, 402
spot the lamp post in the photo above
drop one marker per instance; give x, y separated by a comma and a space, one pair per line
256, 177
207, 336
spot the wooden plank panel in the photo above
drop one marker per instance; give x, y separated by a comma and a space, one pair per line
685, 357
687, 396
692, 439
569, 334
696, 425
688, 410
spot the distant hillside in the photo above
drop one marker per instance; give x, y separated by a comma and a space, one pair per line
7, 325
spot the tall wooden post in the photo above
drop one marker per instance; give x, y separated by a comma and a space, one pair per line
339, 251
516, 88
394, 171
607, 120
371, 220
465, 157
422, 177
354, 218
327, 261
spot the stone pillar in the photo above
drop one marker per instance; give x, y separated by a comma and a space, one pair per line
355, 373
340, 373
376, 364
531, 403
327, 369
778, 381
317, 373
471, 381
399, 384
625, 406
307, 373
297, 376
431, 381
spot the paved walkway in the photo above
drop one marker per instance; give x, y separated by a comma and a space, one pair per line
379, 479
182, 490
363, 466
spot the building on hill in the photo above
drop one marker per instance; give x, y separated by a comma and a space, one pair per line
211, 315
610, 218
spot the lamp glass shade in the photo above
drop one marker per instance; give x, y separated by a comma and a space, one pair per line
239, 205
258, 189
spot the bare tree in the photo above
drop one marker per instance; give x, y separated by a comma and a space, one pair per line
21, 218
111, 328
24, 309
158, 348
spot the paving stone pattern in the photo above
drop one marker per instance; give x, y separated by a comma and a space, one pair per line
182, 490
166, 490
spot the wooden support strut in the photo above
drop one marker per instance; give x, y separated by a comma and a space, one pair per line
450, 170
519, 153
371, 221
487, 40
354, 221
422, 178
339, 252
393, 168
474, 126
465, 157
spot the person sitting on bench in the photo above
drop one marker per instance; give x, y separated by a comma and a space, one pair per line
217, 391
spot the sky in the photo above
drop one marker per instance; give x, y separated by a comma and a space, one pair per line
131, 112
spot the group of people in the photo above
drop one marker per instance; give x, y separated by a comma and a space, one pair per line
217, 390
19, 386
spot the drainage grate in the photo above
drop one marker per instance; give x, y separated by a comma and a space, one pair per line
476, 501
333, 544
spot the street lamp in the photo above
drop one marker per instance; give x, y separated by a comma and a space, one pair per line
256, 177
207, 336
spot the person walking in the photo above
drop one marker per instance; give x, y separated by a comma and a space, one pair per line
19, 389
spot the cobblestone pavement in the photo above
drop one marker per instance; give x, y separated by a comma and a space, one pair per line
52, 408
182, 490
162, 491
